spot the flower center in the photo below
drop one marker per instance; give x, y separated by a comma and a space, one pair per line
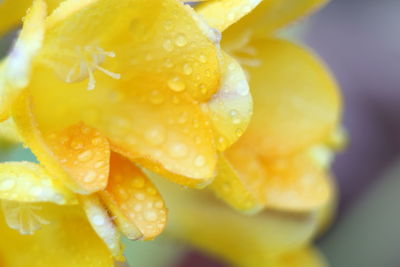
23, 217
89, 60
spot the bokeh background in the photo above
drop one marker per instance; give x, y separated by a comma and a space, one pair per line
360, 41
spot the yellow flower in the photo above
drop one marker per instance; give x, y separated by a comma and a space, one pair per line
282, 158
279, 168
97, 85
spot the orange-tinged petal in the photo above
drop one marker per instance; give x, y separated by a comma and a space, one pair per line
230, 108
150, 111
15, 69
131, 194
220, 14
77, 155
297, 182
84, 154
103, 225
67, 240
228, 186
29, 182
296, 101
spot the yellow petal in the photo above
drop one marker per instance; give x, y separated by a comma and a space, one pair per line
12, 11
15, 70
224, 232
230, 108
220, 14
8, 131
297, 182
84, 154
103, 225
29, 182
228, 186
67, 240
133, 199
267, 17
296, 101
149, 106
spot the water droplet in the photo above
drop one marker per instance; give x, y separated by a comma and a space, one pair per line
187, 69
156, 97
203, 88
202, 59
151, 190
168, 63
168, 45
139, 196
181, 40
183, 118
96, 141
176, 84
150, 216
159, 204
76, 145
155, 136
199, 161
234, 114
239, 132
85, 156
89, 177
99, 164
138, 182
137, 207
168, 25
178, 150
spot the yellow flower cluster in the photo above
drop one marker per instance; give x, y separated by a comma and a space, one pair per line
110, 95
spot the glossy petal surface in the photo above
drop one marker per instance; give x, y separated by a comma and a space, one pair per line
84, 154
230, 109
221, 14
144, 86
29, 182
296, 101
133, 199
296, 105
